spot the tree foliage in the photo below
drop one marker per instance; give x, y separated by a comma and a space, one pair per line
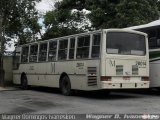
122, 13
19, 19
103, 14
63, 21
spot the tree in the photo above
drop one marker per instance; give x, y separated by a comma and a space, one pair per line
122, 13
112, 13
19, 19
63, 21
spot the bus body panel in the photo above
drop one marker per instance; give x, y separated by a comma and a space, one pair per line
154, 52
48, 74
111, 62
155, 74
126, 67
86, 74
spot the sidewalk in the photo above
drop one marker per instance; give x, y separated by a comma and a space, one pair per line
8, 88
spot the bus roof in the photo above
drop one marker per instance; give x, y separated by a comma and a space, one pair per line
154, 24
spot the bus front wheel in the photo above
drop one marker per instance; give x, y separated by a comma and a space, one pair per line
65, 86
24, 82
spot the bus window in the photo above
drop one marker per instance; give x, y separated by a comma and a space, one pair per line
124, 43
153, 43
33, 53
24, 56
43, 52
71, 49
62, 52
96, 45
83, 47
52, 51
16, 58
158, 42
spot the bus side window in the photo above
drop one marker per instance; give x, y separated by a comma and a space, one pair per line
96, 45
52, 51
43, 52
71, 48
24, 56
83, 47
62, 52
33, 53
152, 43
158, 42
16, 60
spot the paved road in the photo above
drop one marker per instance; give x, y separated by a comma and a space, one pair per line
47, 100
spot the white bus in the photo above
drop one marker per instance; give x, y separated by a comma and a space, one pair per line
153, 32
98, 60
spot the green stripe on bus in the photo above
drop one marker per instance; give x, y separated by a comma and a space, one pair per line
154, 54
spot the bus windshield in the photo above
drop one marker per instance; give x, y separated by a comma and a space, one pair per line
124, 43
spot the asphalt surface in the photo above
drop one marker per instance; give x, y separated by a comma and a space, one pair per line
48, 100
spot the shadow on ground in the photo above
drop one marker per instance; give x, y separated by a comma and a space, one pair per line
113, 95
151, 91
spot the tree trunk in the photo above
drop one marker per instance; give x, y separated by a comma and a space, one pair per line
1, 51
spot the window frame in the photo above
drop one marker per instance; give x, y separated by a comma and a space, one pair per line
21, 58
62, 49
68, 38
69, 48
37, 52
49, 42
100, 44
84, 35
145, 49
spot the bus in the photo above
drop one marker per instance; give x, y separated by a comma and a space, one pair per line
153, 32
99, 60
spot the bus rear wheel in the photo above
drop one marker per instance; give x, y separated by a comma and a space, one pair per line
24, 82
65, 86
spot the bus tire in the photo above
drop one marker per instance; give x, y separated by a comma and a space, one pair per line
65, 86
24, 82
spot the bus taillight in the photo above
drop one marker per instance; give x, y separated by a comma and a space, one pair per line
145, 78
105, 78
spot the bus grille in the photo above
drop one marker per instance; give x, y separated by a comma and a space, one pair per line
134, 70
119, 69
92, 76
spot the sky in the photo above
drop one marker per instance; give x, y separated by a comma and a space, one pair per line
45, 5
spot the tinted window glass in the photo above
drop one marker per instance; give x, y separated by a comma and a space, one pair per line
96, 45
71, 49
62, 52
33, 53
24, 56
125, 43
52, 51
43, 52
83, 47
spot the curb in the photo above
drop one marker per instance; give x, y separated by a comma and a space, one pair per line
8, 88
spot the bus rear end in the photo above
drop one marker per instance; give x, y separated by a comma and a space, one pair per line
124, 60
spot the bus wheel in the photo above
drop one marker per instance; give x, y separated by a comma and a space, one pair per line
24, 82
65, 86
